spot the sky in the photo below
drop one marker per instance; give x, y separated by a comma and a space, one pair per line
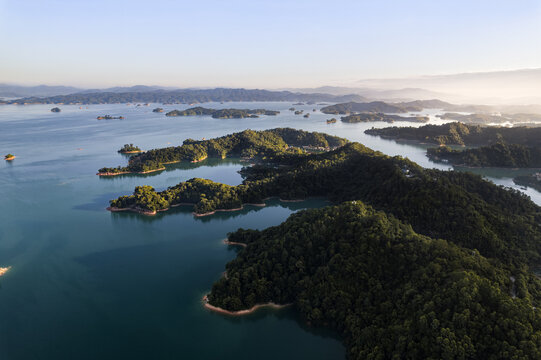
261, 44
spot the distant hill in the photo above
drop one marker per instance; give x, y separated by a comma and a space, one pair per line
404, 94
384, 107
184, 96
123, 89
18, 91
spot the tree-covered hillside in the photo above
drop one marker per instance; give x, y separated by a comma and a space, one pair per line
247, 144
390, 292
461, 134
459, 207
497, 155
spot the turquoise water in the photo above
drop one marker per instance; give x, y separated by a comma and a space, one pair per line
89, 284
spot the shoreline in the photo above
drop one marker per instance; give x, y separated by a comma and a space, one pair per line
242, 312
4, 270
10, 158
131, 152
152, 213
233, 243
129, 172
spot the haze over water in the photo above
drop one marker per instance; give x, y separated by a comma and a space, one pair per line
86, 283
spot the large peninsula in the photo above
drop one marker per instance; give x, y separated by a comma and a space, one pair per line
457, 133
424, 247
246, 144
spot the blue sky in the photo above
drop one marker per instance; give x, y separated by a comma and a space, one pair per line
256, 43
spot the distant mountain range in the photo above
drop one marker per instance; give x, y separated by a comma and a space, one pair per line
143, 95
405, 94
20, 91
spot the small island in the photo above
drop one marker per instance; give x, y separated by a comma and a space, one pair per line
130, 149
299, 112
307, 115
55, 110
331, 121
109, 117
4, 270
9, 157
158, 110
223, 113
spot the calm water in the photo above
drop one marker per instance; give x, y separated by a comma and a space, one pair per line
89, 284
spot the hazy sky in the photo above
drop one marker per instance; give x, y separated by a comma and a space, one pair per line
253, 43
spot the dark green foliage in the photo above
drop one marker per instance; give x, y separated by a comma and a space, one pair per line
460, 207
390, 292
248, 144
461, 134
497, 155
370, 117
129, 148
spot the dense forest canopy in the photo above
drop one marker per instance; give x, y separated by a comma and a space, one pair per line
127, 148
459, 207
497, 155
247, 144
457, 133
222, 113
184, 96
375, 267
390, 292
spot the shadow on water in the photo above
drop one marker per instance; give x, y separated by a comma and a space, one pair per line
99, 203
219, 215
183, 165
286, 313
498, 173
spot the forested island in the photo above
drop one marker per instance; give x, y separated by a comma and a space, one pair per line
496, 155
130, 149
183, 96
158, 110
246, 144
109, 117
483, 118
371, 117
457, 133
533, 181
9, 157
55, 110
374, 267
223, 113
384, 107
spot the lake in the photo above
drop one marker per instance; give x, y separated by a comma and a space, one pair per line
89, 284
